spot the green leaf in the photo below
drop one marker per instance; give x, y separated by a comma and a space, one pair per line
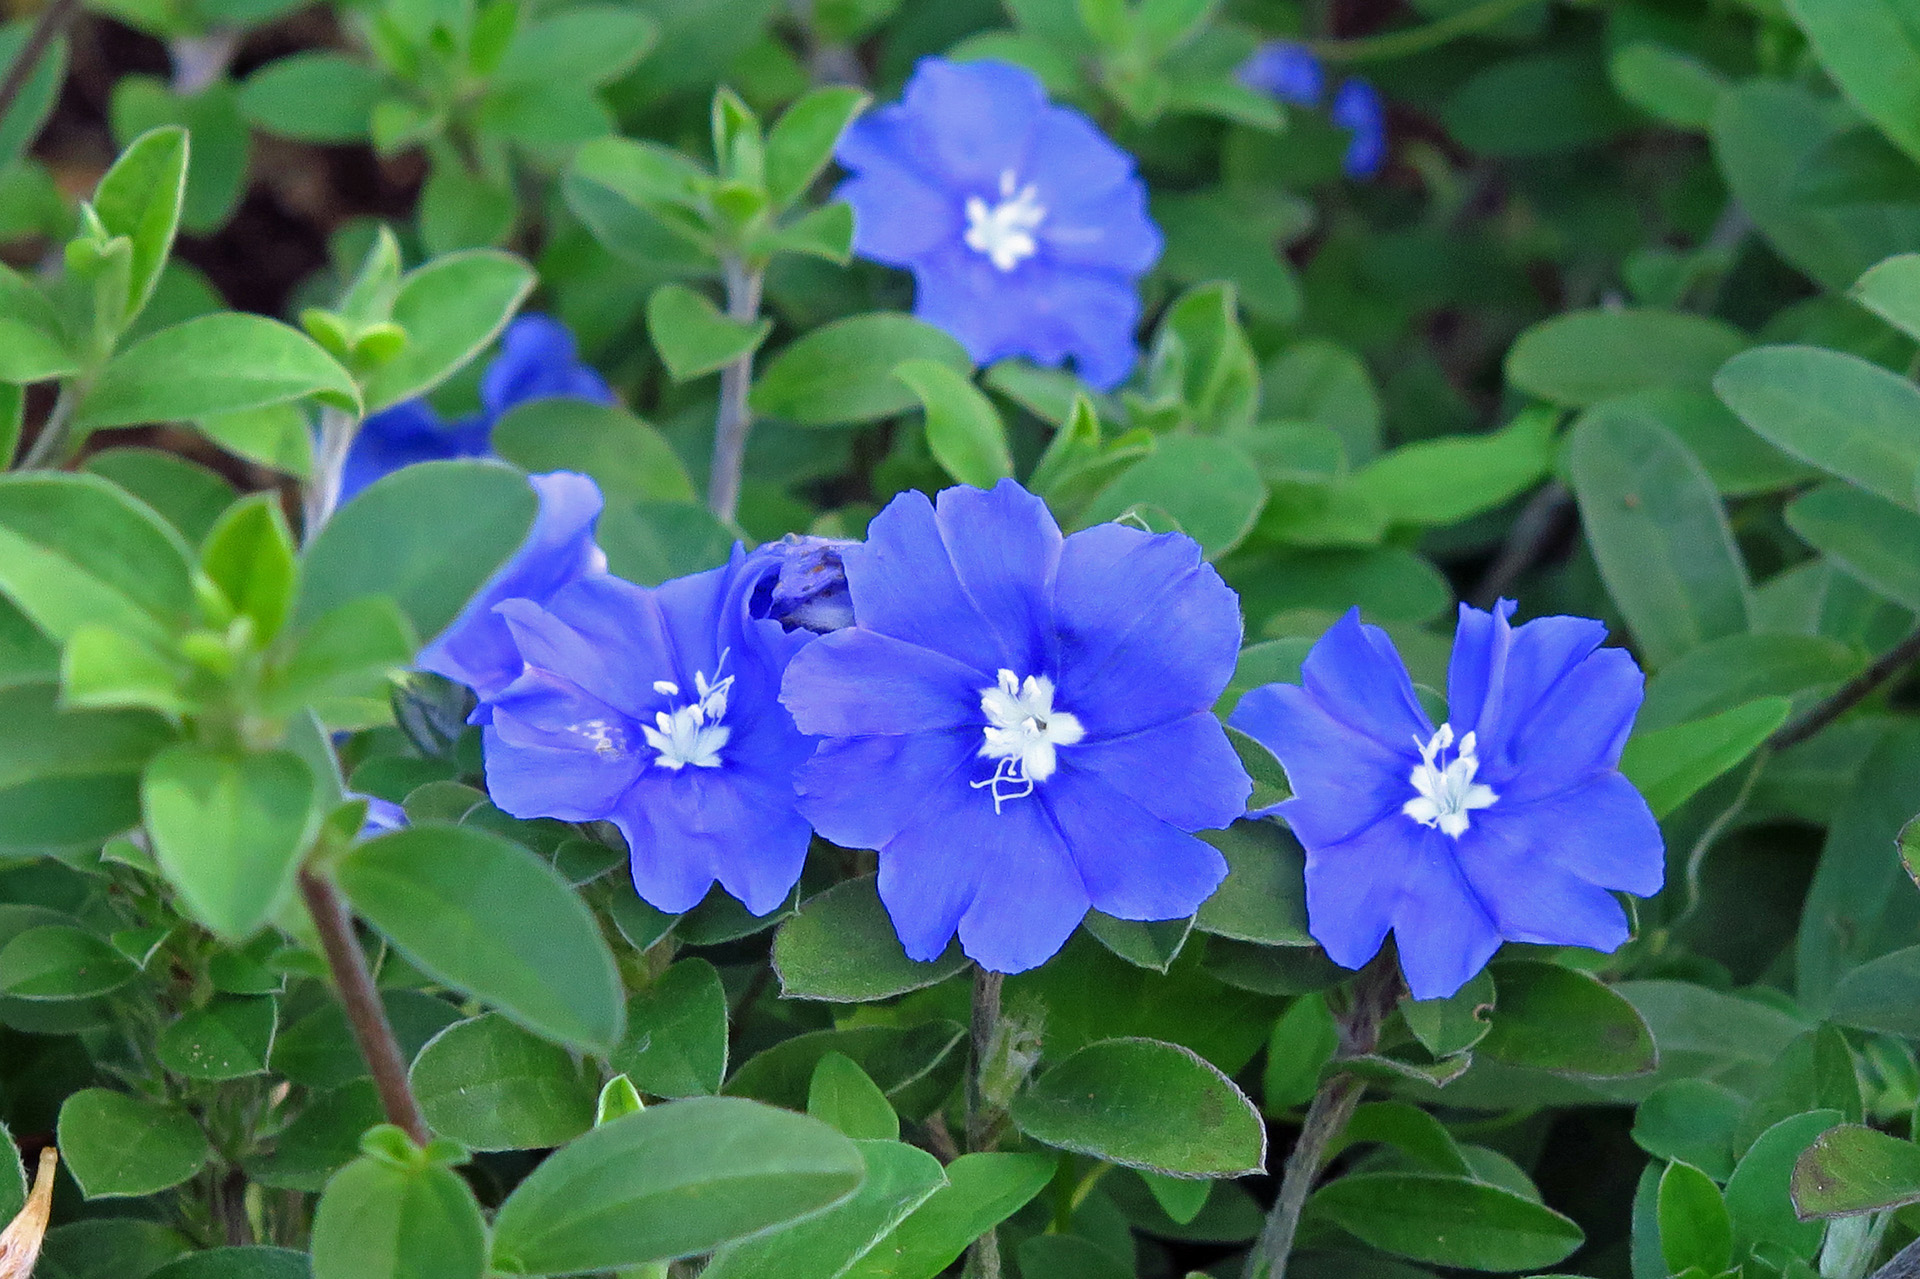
1736, 669
1145, 1104
982, 1190
57, 961
379, 1221
276, 437
490, 1085
917, 1068
1851, 1170
237, 362
693, 337
450, 308
899, 1178
627, 458
584, 45
216, 173
1446, 1221
672, 1181
1304, 1040
427, 536
118, 1146
313, 97
802, 140
349, 652
1559, 1019
75, 550
1878, 995
185, 494
1891, 290
229, 830
1670, 765
1149, 944
1673, 87
230, 1038
1583, 357
489, 918
1694, 1227
32, 347
841, 947
650, 542
22, 120
1872, 49
69, 778
842, 373
842, 1095
140, 198
1758, 1192
1206, 484
1837, 411
1866, 536
1223, 235
1571, 105
1264, 897
1691, 1120
250, 1262
1737, 459
110, 1248
1446, 1027
676, 1041
1657, 528
249, 555
1201, 358
1444, 481
964, 431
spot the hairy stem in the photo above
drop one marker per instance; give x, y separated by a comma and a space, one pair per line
1404, 44
51, 443
735, 420
1375, 992
1904, 1265
1849, 695
337, 428
983, 1117
54, 19
371, 1030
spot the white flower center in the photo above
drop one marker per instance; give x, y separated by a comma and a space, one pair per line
1447, 789
692, 733
1022, 731
1004, 231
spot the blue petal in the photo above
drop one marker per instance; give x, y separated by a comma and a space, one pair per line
604, 634
904, 585
900, 212
477, 649
404, 434
1512, 860
536, 767
1442, 929
1353, 889
860, 792
1148, 632
1577, 730
1184, 771
1358, 108
1004, 546
1342, 781
856, 682
1481, 641
930, 869
538, 360
1029, 897
972, 120
687, 829
1356, 676
1602, 832
1132, 864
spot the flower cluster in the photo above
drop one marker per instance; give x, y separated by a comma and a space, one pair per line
1025, 228
538, 360
1291, 73
1020, 723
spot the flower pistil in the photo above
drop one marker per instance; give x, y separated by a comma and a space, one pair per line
1022, 731
1447, 789
692, 734
1004, 231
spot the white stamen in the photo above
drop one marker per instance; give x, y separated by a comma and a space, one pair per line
1022, 733
1004, 231
1447, 789
692, 734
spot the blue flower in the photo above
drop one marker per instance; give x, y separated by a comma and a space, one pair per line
537, 360
478, 649
1024, 226
1358, 109
1288, 71
383, 816
1509, 822
657, 709
1020, 723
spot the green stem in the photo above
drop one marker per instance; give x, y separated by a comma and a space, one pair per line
54, 19
1404, 44
983, 1117
1848, 695
337, 429
735, 419
50, 444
